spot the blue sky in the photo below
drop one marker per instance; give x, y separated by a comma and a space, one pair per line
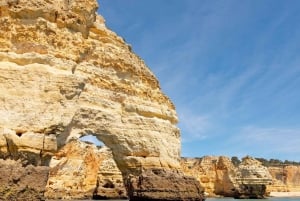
231, 67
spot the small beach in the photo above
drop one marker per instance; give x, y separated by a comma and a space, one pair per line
285, 194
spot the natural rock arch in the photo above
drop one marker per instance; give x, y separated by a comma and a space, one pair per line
65, 74
84, 170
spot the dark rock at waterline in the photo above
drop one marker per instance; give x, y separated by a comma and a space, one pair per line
250, 191
19, 183
163, 185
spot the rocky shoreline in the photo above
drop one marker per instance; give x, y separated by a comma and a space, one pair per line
66, 178
219, 176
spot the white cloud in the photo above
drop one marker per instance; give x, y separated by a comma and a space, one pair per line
269, 142
193, 125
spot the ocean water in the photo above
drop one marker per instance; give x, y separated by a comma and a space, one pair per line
268, 199
232, 199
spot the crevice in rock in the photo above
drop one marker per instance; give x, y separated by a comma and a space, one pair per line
73, 69
42, 150
11, 149
56, 16
81, 86
64, 134
8, 150
54, 129
95, 193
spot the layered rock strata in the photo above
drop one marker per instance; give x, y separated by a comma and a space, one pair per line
218, 176
64, 75
286, 178
213, 173
252, 178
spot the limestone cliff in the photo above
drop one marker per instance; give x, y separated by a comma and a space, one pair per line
64, 75
218, 176
286, 178
213, 173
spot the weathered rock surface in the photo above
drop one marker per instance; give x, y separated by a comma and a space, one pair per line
22, 183
109, 179
30, 148
285, 179
63, 75
212, 173
252, 178
218, 176
163, 185
84, 171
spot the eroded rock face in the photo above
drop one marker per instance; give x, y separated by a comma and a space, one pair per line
109, 179
84, 171
285, 179
252, 178
22, 183
163, 185
218, 176
65, 75
214, 173
29, 148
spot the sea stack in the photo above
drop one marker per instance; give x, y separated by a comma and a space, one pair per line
64, 75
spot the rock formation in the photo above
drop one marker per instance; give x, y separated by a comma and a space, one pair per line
252, 178
80, 170
64, 75
109, 179
22, 183
286, 178
213, 173
218, 176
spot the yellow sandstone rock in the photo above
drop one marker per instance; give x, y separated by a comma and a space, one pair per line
80, 170
219, 177
64, 75
286, 178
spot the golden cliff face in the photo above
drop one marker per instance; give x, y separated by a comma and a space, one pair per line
285, 179
214, 173
64, 75
218, 176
